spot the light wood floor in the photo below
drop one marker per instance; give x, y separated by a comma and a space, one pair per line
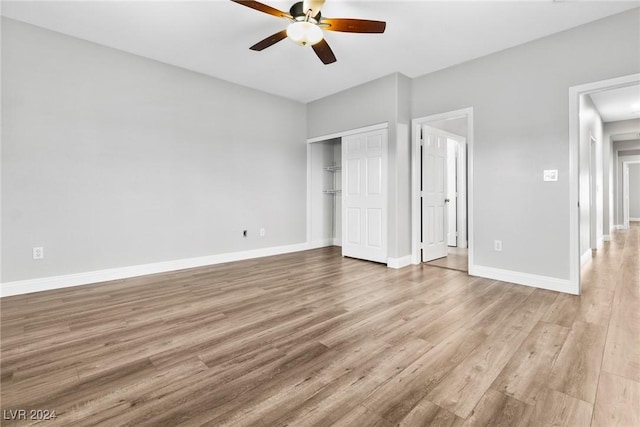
456, 259
315, 339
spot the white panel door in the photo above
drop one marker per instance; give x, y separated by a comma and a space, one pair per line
364, 192
434, 194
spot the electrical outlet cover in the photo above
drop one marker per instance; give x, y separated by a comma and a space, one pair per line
38, 252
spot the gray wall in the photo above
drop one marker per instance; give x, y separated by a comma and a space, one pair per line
634, 191
455, 126
402, 203
360, 106
111, 160
521, 127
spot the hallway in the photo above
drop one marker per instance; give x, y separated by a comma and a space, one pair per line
610, 307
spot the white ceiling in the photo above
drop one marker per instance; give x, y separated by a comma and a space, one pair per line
213, 37
618, 104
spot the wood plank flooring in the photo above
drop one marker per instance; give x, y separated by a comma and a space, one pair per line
316, 339
456, 259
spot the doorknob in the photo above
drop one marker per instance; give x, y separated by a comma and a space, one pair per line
447, 200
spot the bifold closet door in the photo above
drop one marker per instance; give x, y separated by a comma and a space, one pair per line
364, 192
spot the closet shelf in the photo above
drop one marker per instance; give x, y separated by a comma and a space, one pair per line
332, 168
332, 191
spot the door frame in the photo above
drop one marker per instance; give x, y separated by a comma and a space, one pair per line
461, 190
626, 216
593, 194
416, 219
574, 172
377, 126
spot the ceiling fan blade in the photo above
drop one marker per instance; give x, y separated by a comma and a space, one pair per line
263, 8
269, 41
354, 25
324, 52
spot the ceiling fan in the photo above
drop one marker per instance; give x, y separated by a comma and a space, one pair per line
306, 25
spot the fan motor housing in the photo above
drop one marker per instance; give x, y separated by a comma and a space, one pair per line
297, 11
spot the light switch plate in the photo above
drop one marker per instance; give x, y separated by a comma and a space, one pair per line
550, 175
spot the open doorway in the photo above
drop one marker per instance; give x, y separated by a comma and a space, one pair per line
596, 112
441, 187
630, 192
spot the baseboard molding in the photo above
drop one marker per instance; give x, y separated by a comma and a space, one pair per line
526, 279
57, 282
399, 262
585, 257
321, 243
634, 219
606, 238
617, 227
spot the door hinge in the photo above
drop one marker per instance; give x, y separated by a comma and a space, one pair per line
421, 245
422, 194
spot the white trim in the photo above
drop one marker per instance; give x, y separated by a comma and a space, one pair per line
309, 198
625, 190
574, 162
617, 227
544, 282
585, 257
399, 262
57, 282
349, 132
415, 179
593, 208
461, 202
634, 219
606, 237
321, 243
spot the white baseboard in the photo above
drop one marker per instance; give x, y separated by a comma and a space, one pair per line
606, 237
533, 280
634, 219
585, 257
57, 282
321, 244
399, 262
617, 227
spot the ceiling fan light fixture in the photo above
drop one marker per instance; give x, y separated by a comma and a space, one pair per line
304, 33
